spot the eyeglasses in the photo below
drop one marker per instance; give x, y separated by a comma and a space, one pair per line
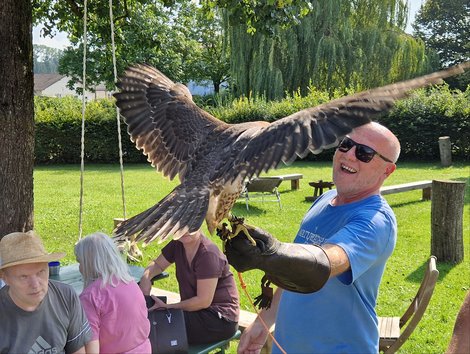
364, 153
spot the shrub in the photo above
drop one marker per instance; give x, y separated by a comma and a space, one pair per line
428, 114
59, 126
418, 122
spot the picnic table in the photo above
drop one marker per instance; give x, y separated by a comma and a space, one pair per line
71, 275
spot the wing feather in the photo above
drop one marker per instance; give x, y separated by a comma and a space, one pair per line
150, 102
181, 139
325, 125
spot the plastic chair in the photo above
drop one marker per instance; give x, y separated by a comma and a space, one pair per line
262, 187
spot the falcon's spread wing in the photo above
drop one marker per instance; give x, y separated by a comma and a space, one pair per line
212, 158
162, 119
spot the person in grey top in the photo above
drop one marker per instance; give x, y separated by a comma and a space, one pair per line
38, 315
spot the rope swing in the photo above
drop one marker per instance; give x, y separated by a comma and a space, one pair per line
82, 154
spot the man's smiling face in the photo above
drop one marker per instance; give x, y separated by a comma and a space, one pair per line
355, 179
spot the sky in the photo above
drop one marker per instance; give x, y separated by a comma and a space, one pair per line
60, 40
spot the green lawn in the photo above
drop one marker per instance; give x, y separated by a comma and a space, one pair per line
57, 190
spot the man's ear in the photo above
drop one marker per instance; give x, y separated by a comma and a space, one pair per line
391, 167
3, 276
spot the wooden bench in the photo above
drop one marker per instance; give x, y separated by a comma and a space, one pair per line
426, 186
221, 346
246, 317
294, 179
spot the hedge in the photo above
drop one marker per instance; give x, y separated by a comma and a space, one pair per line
58, 132
418, 121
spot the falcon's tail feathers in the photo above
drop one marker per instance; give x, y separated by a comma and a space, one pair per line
172, 216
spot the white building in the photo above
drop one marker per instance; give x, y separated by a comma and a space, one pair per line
55, 85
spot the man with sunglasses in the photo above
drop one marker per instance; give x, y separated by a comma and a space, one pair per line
356, 229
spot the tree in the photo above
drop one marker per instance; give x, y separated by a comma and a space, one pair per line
339, 44
262, 16
17, 117
16, 94
178, 38
46, 59
444, 26
213, 63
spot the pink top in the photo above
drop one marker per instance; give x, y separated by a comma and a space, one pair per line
118, 317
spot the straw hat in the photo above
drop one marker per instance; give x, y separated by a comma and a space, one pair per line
23, 248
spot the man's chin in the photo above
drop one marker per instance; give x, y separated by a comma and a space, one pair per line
37, 297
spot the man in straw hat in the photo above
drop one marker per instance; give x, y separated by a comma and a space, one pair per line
37, 314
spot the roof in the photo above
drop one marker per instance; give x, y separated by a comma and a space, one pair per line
43, 81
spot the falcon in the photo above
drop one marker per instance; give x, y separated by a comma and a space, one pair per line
212, 158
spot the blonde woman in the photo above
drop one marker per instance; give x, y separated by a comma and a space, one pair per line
111, 298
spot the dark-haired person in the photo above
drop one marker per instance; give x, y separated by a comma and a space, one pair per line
355, 228
209, 295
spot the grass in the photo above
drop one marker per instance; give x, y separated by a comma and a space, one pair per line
57, 191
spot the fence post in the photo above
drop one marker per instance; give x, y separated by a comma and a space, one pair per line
446, 220
445, 151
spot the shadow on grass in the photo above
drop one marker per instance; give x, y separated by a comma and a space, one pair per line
407, 203
443, 267
240, 209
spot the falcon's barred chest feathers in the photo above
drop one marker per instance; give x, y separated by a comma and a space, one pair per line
213, 158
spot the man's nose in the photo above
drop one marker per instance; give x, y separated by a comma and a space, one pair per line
34, 281
351, 153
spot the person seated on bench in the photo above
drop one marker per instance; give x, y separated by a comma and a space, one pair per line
209, 295
37, 314
111, 298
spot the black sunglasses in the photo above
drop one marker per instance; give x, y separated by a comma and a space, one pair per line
364, 153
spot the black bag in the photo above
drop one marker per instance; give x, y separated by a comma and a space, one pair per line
167, 331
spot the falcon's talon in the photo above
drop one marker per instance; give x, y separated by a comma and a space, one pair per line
238, 226
242, 228
130, 250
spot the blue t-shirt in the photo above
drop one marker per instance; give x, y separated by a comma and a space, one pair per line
340, 317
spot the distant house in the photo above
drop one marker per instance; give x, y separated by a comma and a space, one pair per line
201, 89
55, 85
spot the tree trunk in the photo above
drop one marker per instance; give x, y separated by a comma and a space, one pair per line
446, 220
16, 116
445, 151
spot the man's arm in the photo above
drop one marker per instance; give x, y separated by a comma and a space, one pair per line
254, 336
339, 261
92, 347
460, 341
82, 350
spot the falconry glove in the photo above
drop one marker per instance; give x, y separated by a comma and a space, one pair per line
294, 267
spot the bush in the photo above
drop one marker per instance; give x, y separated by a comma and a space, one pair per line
428, 114
59, 126
418, 122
